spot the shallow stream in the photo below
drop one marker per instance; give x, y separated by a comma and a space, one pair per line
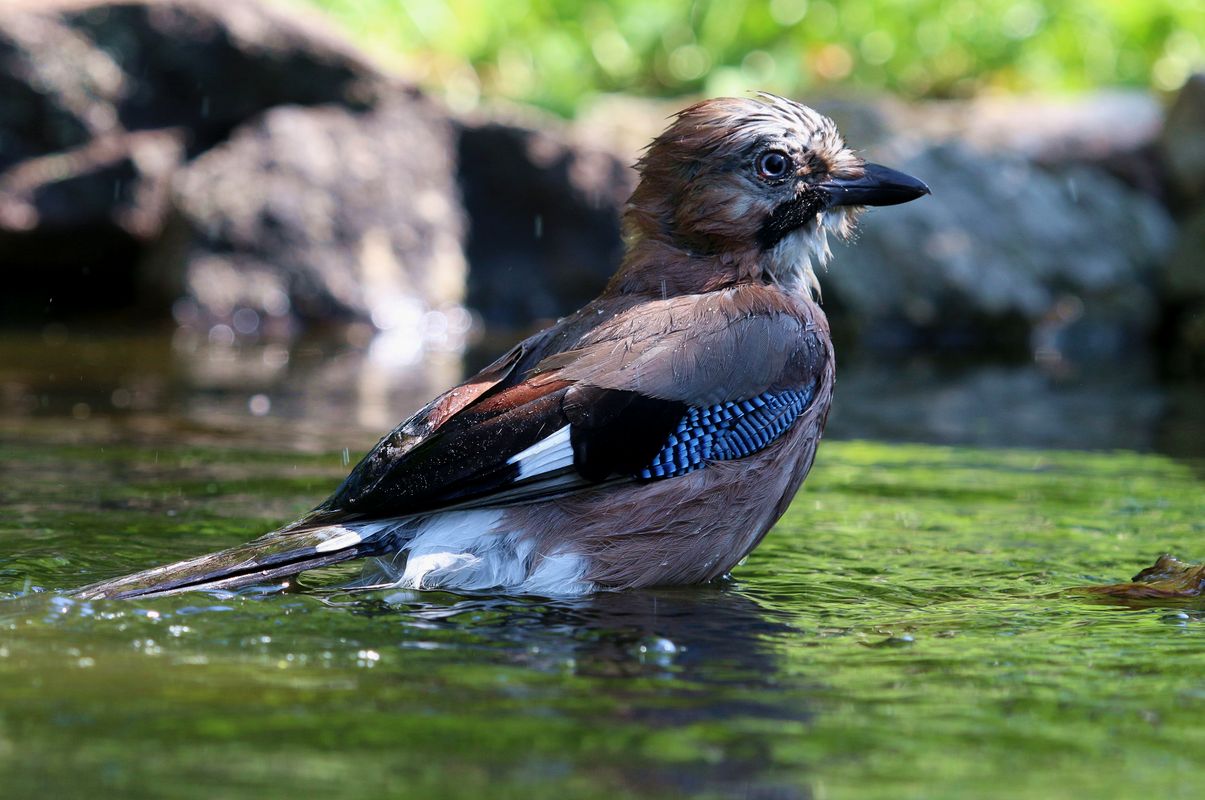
906, 631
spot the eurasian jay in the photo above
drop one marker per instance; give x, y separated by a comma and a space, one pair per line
652, 437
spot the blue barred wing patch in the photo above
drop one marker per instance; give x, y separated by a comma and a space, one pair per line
726, 431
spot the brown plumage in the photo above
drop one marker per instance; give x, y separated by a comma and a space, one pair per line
652, 437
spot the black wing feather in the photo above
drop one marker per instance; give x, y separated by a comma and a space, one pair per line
617, 432
465, 462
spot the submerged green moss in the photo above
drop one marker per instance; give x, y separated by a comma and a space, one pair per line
904, 632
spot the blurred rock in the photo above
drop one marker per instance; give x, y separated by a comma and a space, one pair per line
57, 90
1184, 275
240, 155
101, 102
208, 65
116, 180
77, 69
1025, 244
1115, 130
1183, 290
1183, 279
545, 210
72, 224
1183, 142
1002, 248
328, 212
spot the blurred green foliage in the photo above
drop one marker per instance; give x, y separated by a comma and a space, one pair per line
555, 53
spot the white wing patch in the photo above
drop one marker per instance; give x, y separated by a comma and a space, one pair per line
338, 538
550, 454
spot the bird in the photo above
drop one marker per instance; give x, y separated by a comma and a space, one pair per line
651, 438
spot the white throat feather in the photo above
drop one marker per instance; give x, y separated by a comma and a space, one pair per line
794, 259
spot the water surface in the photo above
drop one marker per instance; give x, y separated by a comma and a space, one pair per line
904, 632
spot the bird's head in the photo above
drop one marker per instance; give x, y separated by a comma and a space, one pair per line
757, 181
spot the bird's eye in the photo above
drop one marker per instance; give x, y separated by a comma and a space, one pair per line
773, 165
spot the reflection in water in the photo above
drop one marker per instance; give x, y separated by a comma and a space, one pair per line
351, 386
315, 394
368, 386
692, 685
705, 635
717, 655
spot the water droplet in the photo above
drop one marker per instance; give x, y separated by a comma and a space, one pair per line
246, 321
259, 404
221, 335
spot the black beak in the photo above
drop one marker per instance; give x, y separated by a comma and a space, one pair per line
878, 186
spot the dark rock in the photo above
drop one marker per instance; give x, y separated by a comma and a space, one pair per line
120, 181
1182, 146
1045, 232
1183, 289
251, 160
100, 103
306, 181
544, 210
1183, 142
1005, 248
1115, 131
73, 224
1092, 127
1184, 275
56, 89
76, 70
328, 212
208, 65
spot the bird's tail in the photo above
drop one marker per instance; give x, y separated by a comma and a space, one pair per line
276, 555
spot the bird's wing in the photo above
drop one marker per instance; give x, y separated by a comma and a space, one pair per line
394, 447
625, 403
635, 400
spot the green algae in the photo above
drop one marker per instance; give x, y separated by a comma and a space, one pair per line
908, 630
